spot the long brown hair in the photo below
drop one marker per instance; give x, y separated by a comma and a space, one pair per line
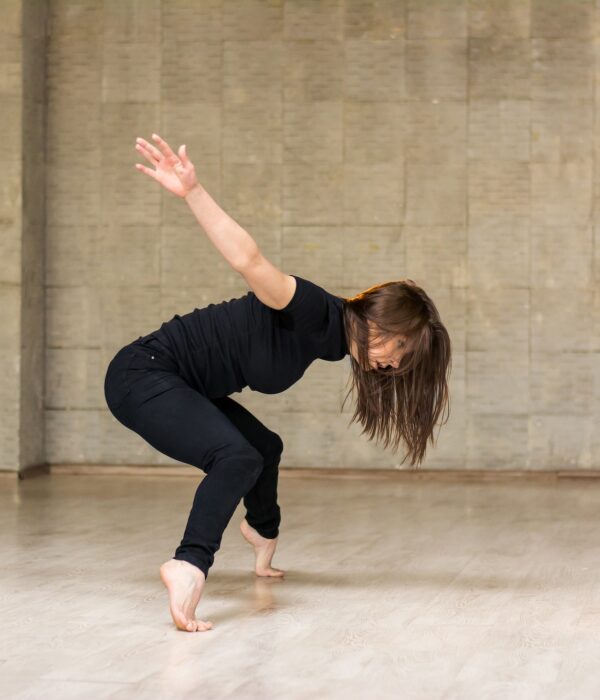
401, 403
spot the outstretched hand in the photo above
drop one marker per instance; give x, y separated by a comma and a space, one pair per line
175, 173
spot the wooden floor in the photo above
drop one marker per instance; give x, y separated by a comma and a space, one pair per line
393, 590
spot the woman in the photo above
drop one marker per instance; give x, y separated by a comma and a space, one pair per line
173, 386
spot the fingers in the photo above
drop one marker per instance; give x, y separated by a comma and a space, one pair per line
146, 149
146, 170
164, 147
161, 158
154, 155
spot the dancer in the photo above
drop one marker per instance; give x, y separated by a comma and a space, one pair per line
173, 386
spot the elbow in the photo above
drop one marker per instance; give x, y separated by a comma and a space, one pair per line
249, 260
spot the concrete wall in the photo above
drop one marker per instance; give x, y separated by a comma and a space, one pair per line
22, 229
455, 143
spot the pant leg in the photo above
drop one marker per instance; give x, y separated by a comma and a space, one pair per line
185, 425
262, 510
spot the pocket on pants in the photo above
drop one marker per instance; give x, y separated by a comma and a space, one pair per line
147, 378
137, 375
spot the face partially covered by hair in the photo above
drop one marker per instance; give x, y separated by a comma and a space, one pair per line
401, 360
383, 352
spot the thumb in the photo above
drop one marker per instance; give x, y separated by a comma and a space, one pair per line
183, 155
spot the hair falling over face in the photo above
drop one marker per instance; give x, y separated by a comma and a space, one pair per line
403, 402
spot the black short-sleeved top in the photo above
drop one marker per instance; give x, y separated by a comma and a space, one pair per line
224, 347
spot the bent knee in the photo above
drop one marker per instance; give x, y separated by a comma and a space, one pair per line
245, 460
274, 447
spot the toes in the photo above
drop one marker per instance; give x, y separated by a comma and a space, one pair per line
181, 620
269, 572
198, 626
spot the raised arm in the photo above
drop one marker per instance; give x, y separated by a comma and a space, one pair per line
234, 243
176, 173
271, 286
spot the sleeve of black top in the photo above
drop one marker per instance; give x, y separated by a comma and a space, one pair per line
309, 307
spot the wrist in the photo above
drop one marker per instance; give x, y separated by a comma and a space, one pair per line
194, 191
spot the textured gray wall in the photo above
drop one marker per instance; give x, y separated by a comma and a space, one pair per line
453, 142
22, 228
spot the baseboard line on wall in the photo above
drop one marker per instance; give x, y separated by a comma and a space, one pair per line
403, 474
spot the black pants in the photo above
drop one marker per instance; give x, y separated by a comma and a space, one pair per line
238, 454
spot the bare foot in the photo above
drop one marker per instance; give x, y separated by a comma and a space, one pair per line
185, 582
263, 549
